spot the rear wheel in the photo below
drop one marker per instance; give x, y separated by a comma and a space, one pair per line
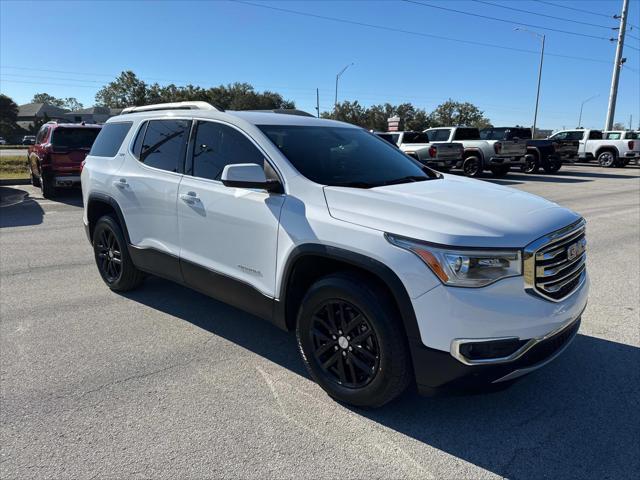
112, 256
351, 343
607, 159
531, 165
47, 186
472, 166
553, 167
500, 171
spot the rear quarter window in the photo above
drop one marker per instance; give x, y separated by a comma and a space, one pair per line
109, 139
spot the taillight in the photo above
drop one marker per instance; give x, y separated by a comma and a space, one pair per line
433, 151
631, 144
497, 147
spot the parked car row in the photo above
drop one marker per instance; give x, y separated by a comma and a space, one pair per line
497, 149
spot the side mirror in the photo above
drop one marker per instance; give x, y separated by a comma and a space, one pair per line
248, 175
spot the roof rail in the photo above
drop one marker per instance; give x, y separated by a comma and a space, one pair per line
171, 106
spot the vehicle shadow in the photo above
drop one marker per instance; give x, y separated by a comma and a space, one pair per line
69, 196
17, 209
576, 418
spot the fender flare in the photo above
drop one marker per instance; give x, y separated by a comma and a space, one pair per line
607, 148
368, 264
109, 200
474, 150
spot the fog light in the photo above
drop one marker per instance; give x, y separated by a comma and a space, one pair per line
491, 349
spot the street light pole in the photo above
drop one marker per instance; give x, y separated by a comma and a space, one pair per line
335, 103
582, 105
535, 114
617, 64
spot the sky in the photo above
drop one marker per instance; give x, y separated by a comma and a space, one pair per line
72, 48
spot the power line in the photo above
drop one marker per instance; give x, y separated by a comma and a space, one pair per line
564, 19
574, 9
511, 22
410, 32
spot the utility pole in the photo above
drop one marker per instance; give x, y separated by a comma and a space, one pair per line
535, 114
335, 103
617, 64
318, 102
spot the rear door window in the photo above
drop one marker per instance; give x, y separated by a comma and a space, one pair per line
439, 135
613, 136
467, 134
165, 144
74, 138
595, 135
108, 141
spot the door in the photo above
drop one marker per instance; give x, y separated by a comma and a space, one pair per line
146, 188
228, 236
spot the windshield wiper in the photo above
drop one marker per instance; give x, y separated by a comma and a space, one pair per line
407, 179
356, 184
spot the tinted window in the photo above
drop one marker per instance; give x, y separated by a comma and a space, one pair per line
217, 145
137, 145
493, 133
524, 133
340, 156
74, 137
631, 135
165, 143
388, 137
467, 134
108, 141
595, 135
42, 134
440, 135
415, 137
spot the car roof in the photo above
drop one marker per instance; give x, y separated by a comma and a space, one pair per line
74, 125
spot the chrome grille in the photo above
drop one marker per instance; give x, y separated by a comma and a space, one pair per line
555, 265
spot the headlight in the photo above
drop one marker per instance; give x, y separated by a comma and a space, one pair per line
463, 268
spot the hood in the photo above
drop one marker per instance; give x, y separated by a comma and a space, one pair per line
453, 211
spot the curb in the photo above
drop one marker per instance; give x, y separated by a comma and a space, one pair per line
15, 181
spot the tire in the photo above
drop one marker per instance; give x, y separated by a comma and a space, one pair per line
112, 256
607, 159
553, 167
47, 186
472, 166
365, 363
532, 164
500, 171
35, 181
623, 162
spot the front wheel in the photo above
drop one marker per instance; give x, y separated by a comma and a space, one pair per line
607, 159
472, 166
351, 343
112, 256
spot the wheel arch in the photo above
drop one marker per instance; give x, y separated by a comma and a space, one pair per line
473, 152
309, 262
100, 204
608, 148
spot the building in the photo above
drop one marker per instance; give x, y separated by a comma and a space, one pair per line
32, 113
92, 114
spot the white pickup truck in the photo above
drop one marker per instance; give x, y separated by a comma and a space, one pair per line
611, 149
479, 155
438, 155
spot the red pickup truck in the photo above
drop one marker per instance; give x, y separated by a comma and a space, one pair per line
55, 160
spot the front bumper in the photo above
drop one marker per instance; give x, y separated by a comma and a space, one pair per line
449, 316
447, 373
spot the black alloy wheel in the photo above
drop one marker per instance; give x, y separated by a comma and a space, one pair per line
345, 344
472, 167
109, 254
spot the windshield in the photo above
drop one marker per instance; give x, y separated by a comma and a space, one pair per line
339, 156
492, 133
74, 137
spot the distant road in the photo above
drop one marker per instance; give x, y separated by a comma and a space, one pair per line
12, 152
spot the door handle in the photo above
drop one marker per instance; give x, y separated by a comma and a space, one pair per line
189, 197
121, 184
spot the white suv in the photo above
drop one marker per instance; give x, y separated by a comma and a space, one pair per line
390, 272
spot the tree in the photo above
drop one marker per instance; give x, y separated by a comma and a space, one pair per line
375, 117
125, 91
48, 99
69, 103
619, 126
350, 112
452, 113
8, 116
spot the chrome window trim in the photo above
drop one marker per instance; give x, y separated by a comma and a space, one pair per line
530, 253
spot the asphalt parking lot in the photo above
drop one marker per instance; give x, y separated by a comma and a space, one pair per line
164, 382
